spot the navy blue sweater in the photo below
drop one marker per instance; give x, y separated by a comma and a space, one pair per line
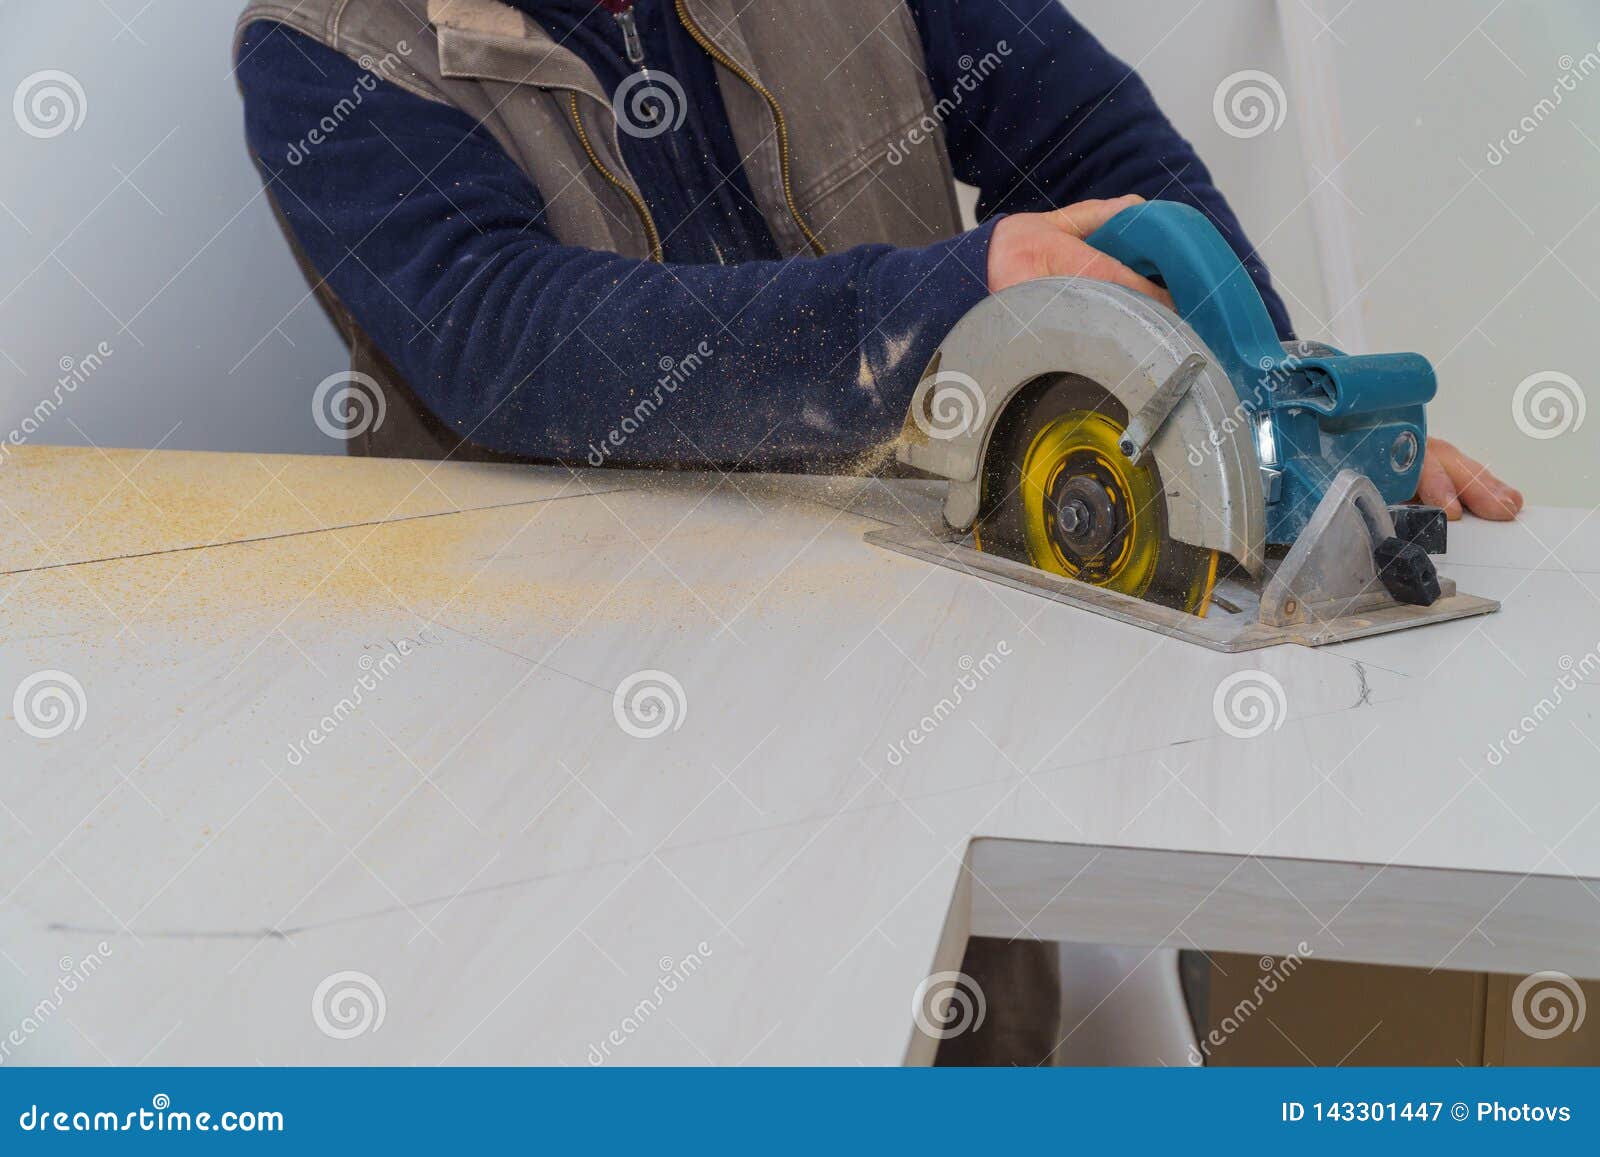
436, 242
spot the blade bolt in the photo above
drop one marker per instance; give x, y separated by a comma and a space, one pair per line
1073, 516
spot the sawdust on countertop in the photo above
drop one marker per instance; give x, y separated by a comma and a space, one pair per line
81, 503
535, 569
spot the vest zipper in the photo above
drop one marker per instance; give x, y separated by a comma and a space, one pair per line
631, 39
732, 66
634, 199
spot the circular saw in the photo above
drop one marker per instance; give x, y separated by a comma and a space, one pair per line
1180, 469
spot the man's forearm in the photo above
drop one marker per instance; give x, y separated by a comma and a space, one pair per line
579, 355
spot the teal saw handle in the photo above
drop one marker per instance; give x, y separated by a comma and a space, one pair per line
1213, 292
1209, 285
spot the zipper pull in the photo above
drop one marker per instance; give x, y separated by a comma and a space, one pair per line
631, 40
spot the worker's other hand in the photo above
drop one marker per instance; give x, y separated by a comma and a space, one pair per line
1451, 480
1025, 246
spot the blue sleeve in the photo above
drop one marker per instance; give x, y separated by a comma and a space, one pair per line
436, 242
1041, 115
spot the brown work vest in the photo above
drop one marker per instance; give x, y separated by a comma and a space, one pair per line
827, 100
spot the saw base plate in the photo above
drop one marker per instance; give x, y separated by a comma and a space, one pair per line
1231, 624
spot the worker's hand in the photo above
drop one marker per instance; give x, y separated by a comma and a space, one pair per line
1450, 480
1029, 245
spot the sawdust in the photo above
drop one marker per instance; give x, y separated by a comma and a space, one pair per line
873, 460
538, 570
78, 504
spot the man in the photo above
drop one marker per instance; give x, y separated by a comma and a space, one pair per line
530, 215
488, 237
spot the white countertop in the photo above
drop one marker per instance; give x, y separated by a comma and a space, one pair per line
475, 832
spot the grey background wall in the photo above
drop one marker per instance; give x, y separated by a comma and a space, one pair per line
144, 228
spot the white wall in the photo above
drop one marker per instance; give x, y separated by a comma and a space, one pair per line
1493, 271
1488, 269
145, 229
